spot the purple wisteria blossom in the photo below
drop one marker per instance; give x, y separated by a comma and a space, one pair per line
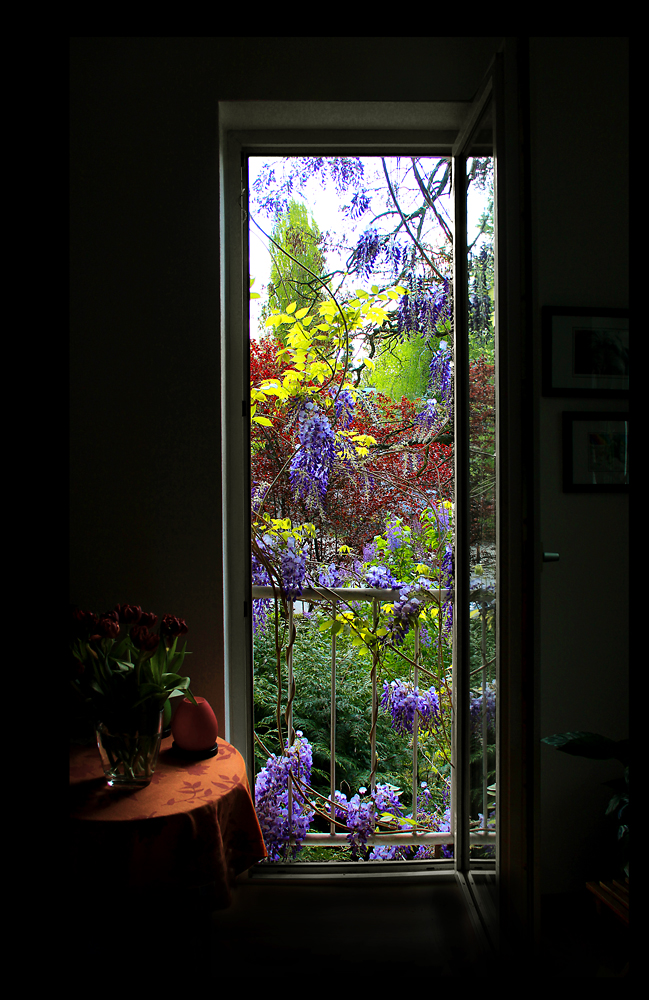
441, 386
432, 817
330, 576
380, 577
313, 461
446, 583
360, 814
369, 552
396, 535
423, 309
486, 705
271, 800
404, 610
260, 607
292, 569
403, 699
344, 407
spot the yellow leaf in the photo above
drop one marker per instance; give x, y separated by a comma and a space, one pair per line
301, 313
291, 309
264, 421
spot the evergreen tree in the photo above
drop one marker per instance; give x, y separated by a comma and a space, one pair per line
292, 278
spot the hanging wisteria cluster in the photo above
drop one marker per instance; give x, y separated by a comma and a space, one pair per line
370, 249
284, 837
380, 577
481, 706
361, 812
360, 815
396, 534
260, 608
423, 309
441, 376
446, 582
402, 700
330, 576
272, 805
431, 816
313, 461
273, 194
292, 568
344, 406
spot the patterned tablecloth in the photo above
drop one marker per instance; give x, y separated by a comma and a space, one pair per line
186, 835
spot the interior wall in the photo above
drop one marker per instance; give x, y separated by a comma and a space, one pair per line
145, 517
579, 167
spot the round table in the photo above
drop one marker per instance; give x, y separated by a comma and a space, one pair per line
186, 835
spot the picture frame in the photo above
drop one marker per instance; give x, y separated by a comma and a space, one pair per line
596, 452
585, 352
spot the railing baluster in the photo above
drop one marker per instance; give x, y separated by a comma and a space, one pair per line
289, 712
485, 806
375, 700
334, 595
415, 728
332, 761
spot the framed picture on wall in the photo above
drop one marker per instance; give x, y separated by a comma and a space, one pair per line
585, 352
596, 452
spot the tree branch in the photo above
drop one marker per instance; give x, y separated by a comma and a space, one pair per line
407, 228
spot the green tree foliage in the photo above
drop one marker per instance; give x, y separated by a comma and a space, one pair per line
292, 277
403, 369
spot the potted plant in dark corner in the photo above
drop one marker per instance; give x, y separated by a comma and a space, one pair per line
597, 747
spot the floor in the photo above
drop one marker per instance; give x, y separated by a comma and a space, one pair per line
355, 928
578, 943
404, 930
335, 934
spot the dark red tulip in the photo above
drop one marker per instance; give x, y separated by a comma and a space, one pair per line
83, 622
129, 614
108, 625
173, 626
143, 639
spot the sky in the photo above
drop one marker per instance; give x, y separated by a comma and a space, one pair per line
325, 205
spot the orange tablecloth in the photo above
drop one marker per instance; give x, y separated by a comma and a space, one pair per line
188, 833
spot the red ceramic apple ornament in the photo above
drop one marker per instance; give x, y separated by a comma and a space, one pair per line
195, 728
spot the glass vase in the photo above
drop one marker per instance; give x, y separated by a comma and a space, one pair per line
129, 758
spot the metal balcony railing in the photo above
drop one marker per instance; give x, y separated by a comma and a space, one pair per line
338, 597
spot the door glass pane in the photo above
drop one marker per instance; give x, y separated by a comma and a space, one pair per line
352, 489
482, 501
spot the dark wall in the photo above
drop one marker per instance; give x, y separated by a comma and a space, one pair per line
579, 99
145, 433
